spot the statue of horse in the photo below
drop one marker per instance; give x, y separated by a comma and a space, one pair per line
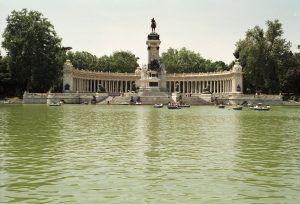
153, 25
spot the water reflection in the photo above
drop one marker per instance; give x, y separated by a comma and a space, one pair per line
138, 154
30, 152
262, 160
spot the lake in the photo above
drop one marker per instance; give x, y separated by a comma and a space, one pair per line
139, 154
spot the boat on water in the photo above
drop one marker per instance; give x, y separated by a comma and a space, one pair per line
260, 107
221, 106
173, 106
54, 104
238, 107
125, 103
158, 105
138, 103
184, 105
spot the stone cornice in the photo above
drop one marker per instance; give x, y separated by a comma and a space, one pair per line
85, 74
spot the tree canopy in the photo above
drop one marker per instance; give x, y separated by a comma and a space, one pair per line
5, 77
119, 61
266, 58
186, 61
34, 52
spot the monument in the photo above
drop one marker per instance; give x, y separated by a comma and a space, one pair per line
151, 83
153, 75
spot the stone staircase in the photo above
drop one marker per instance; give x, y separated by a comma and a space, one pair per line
104, 101
120, 100
153, 97
195, 100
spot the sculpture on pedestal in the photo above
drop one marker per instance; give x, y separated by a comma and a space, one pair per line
153, 25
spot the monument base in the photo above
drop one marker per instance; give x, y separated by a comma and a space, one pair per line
206, 97
175, 96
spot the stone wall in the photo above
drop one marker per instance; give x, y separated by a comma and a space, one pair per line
35, 98
254, 99
68, 98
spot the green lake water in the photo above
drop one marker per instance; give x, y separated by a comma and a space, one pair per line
138, 154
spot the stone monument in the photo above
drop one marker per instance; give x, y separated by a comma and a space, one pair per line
153, 74
152, 84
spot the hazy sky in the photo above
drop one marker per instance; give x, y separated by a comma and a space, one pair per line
210, 27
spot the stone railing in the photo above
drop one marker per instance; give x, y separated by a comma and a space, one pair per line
86, 74
34, 98
198, 74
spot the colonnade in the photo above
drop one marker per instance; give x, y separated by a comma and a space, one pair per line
183, 86
196, 86
192, 83
110, 86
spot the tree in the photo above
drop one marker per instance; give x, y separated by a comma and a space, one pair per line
5, 77
186, 61
123, 61
120, 61
264, 57
290, 81
83, 60
34, 51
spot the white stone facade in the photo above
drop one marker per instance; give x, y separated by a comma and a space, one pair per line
76, 80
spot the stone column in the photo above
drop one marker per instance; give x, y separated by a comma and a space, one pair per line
227, 88
85, 85
227, 82
79, 84
194, 87
113, 86
74, 85
180, 86
82, 85
109, 86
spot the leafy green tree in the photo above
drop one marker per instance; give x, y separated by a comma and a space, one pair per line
5, 77
34, 51
123, 61
105, 63
186, 61
252, 56
120, 61
264, 57
291, 79
83, 60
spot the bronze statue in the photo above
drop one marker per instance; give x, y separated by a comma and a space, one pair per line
153, 25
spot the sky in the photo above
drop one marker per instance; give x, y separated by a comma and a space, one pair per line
208, 27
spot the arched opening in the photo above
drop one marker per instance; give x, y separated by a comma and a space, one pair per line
67, 87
